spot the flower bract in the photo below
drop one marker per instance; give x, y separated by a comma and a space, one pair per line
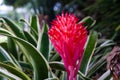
68, 38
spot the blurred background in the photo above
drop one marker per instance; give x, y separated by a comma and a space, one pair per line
105, 12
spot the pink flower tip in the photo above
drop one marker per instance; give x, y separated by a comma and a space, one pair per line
68, 38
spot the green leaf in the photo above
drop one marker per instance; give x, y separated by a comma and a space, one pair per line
3, 39
117, 28
35, 26
4, 45
13, 27
4, 56
4, 31
30, 38
82, 76
16, 64
88, 21
104, 76
34, 23
55, 57
52, 79
57, 65
104, 45
63, 77
88, 53
27, 68
12, 48
2, 78
43, 42
37, 60
3, 42
96, 66
25, 65
12, 72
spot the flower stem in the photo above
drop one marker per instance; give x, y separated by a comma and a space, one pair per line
71, 73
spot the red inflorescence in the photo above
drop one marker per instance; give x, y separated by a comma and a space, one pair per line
68, 38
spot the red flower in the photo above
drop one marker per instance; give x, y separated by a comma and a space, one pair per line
69, 37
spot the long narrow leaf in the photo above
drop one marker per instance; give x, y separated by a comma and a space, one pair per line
4, 56
43, 42
57, 65
88, 21
105, 75
88, 53
37, 60
12, 71
12, 48
34, 26
34, 22
96, 66
30, 38
52, 79
13, 27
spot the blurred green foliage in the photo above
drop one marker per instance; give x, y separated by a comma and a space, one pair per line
105, 12
16, 3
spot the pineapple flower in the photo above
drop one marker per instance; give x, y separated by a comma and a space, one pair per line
68, 38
